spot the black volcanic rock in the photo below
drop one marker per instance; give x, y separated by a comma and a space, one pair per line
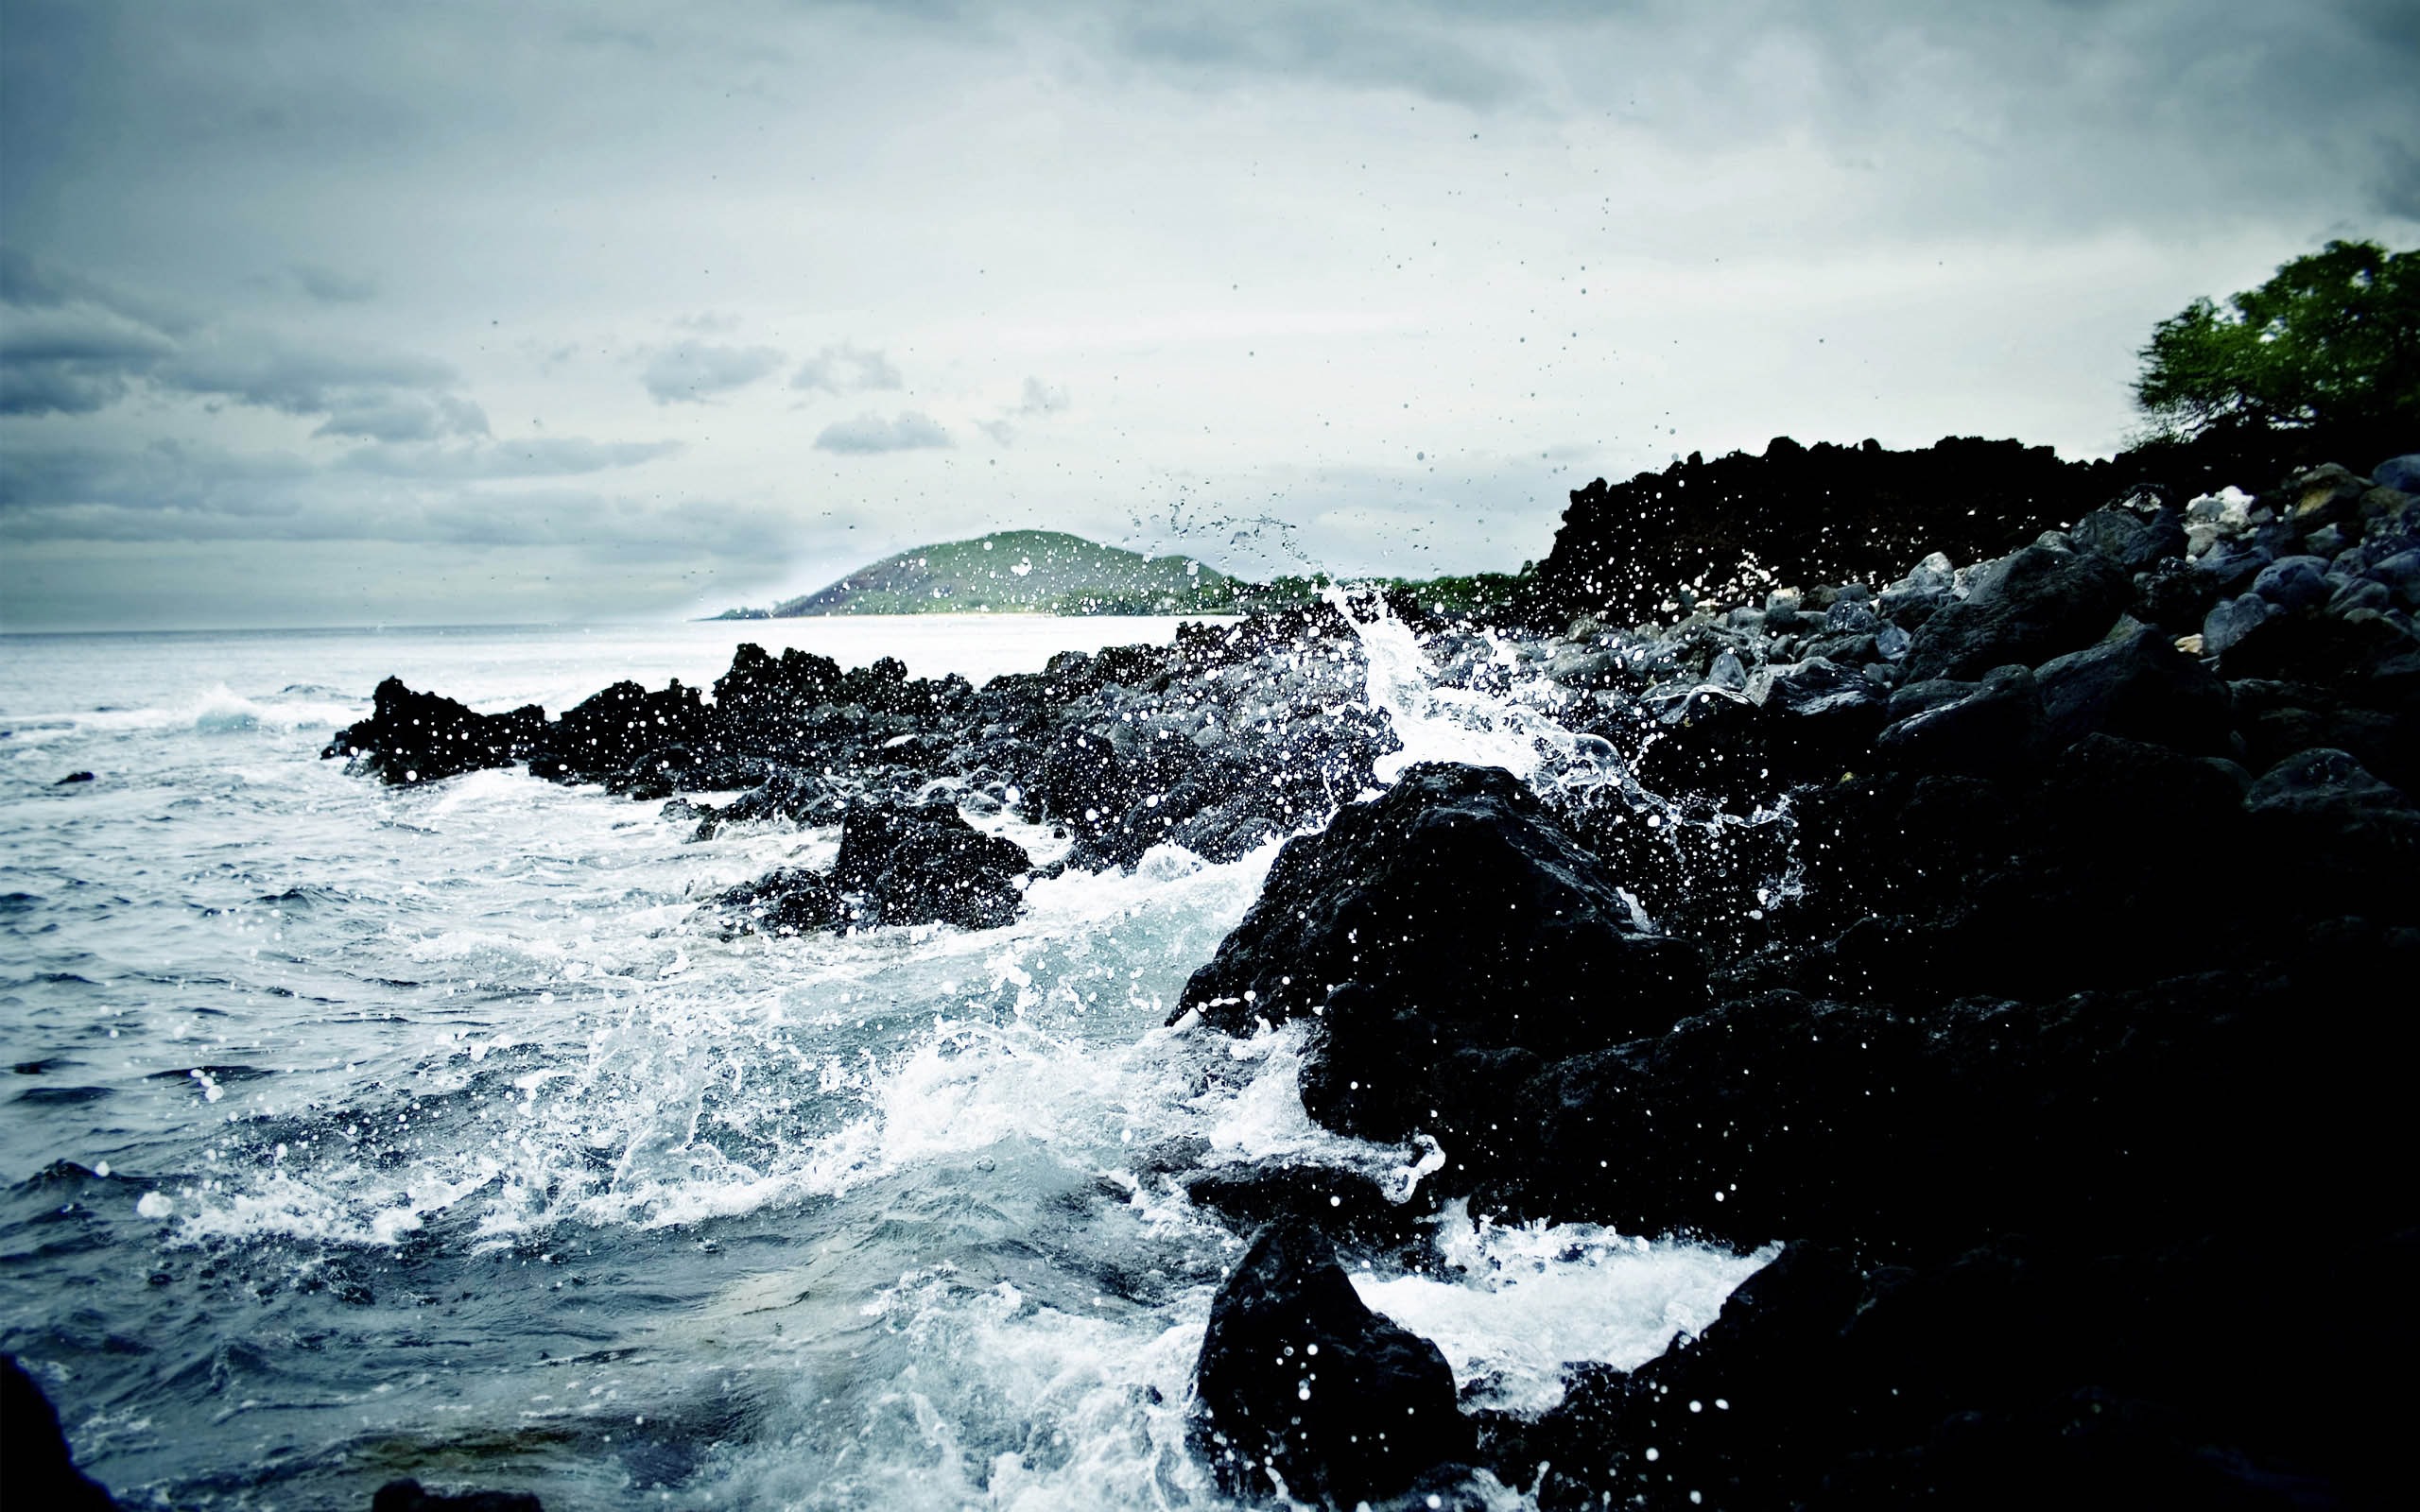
1982, 728
36, 1467
2138, 686
2015, 1375
1450, 934
1300, 1384
1801, 515
2027, 607
790, 901
420, 737
407, 1496
925, 865
783, 797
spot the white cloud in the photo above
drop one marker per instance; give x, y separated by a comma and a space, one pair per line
909, 430
695, 371
848, 370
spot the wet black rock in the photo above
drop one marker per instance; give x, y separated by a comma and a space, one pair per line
72, 779
2015, 1375
408, 1496
899, 863
925, 864
1345, 1204
1818, 714
790, 901
2026, 608
2333, 830
1820, 514
36, 1467
788, 798
2139, 686
1450, 934
1965, 729
2132, 538
422, 737
1301, 1386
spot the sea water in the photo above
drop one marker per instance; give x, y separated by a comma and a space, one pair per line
349, 1131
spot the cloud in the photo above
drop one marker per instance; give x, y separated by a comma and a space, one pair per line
400, 417
1041, 398
999, 430
847, 370
695, 371
329, 286
1391, 46
73, 358
543, 457
911, 430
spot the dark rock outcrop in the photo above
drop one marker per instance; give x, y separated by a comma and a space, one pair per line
2027, 607
899, 863
422, 737
408, 1496
1453, 939
926, 865
1800, 515
1300, 1386
36, 1467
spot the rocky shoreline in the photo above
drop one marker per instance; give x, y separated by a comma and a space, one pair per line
2014, 942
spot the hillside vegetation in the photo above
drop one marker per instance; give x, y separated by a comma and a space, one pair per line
1016, 571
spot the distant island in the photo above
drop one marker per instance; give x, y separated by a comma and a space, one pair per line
1016, 571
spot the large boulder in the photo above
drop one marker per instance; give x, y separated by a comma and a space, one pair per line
1301, 1390
1985, 728
899, 863
1451, 934
420, 737
407, 1495
36, 1467
2027, 607
2016, 1375
924, 864
2138, 686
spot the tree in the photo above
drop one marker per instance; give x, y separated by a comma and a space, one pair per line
2333, 339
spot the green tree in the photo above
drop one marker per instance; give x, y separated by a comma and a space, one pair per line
2333, 339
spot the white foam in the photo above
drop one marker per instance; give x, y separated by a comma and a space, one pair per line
1527, 1302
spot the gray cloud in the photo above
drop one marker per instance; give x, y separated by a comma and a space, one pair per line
909, 430
695, 371
329, 286
1374, 46
848, 370
72, 359
399, 417
1042, 399
545, 457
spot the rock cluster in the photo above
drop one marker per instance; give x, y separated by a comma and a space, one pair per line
1231, 737
2070, 966
899, 863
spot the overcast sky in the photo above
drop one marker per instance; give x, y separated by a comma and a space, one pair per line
346, 313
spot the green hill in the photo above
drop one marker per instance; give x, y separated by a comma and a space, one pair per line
1016, 571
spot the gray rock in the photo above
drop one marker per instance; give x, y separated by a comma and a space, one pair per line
2402, 472
2232, 568
1991, 731
2400, 572
2231, 621
2026, 608
2293, 582
2361, 593
2323, 495
2133, 541
2138, 687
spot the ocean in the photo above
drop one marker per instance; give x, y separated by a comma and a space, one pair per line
352, 1132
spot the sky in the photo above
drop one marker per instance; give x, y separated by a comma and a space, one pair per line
443, 313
